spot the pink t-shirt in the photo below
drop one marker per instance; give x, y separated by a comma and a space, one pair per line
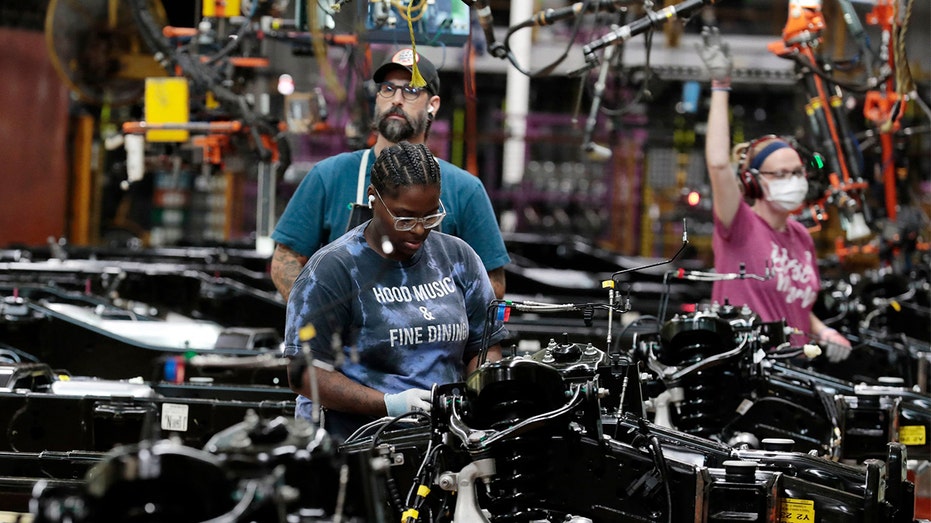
793, 289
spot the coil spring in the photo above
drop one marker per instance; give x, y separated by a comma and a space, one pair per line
521, 464
508, 412
710, 400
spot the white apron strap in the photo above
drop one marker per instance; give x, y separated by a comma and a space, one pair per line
360, 187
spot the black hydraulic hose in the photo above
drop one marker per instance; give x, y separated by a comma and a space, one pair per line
394, 495
150, 30
201, 75
490, 314
233, 44
284, 154
659, 461
856, 88
850, 149
555, 63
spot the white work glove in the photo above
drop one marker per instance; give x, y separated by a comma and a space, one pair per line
836, 346
715, 54
407, 401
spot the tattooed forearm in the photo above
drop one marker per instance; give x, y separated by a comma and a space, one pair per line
286, 266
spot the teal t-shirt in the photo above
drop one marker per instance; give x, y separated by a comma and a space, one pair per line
401, 325
319, 210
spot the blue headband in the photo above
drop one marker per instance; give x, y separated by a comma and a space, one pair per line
761, 156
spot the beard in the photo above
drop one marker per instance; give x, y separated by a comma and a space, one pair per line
399, 130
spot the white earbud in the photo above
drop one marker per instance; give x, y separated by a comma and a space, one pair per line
430, 110
371, 200
386, 246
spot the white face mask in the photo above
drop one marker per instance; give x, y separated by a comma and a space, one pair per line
789, 193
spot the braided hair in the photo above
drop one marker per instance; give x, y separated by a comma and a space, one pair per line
403, 165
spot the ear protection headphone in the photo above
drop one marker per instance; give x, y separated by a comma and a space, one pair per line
747, 176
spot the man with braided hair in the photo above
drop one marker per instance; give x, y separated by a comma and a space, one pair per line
320, 209
396, 305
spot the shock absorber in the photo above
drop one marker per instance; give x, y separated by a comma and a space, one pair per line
710, 400
507, 393
503, 395
514, 492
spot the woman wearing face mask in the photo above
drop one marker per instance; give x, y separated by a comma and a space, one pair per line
763, 234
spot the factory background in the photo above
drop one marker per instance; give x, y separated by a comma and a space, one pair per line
145, 161
632, 200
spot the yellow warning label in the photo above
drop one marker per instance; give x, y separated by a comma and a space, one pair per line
221, 8
791, 510
166, 103
912, 435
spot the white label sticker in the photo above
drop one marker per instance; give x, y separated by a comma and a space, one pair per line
744, 406
174, 417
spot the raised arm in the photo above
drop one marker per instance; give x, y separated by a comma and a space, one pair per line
726, 194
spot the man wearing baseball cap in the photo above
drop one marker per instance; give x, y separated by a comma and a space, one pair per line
333, 195
404, 60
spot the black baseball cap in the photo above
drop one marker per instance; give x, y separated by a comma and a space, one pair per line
404, 59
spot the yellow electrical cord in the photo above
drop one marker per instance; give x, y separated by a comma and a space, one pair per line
405, 12
904, 83
320, 52
417, 79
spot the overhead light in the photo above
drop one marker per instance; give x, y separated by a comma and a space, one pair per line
286, 84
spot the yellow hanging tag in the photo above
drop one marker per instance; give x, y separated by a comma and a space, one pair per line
307, 332
416, 78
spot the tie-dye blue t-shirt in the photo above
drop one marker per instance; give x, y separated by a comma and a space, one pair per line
401, 325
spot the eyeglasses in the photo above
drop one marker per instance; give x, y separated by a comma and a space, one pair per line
387, 90
406, 223
782, 175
